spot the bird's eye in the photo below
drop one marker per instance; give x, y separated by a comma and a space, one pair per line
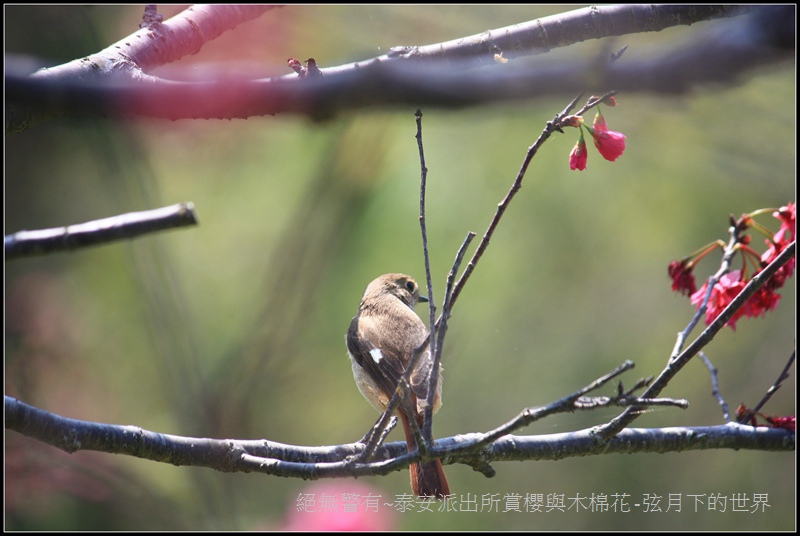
411, 286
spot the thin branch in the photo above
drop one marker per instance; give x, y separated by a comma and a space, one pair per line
438, 329
382, 432
574, 402
726, 412
566, 404
423, 182
93, 233
423, 443
777, 385
552, 126
441, 328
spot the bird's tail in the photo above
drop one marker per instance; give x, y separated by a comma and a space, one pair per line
427, 478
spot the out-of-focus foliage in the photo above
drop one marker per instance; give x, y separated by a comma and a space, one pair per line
236, 328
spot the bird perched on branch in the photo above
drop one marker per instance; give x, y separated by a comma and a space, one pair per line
381, 341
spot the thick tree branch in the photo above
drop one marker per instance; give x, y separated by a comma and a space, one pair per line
155, 44
269, 457
436, 75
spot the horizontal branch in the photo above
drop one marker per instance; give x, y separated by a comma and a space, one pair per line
442, 74
642, 440
123, 226
233, 455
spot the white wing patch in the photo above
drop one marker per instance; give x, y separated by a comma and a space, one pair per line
376, 354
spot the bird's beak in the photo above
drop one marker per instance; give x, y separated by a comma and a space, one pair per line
423, 299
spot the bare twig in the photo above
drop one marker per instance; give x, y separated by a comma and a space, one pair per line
777, 385
441, 330
573, 402
432, 343
552, 126
378, 433
438, 329
423, 182
726, 412
123, 226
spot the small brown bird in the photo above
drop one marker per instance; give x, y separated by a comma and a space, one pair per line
381, 341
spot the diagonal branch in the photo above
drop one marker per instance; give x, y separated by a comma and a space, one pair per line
676, 363
93, 233
784, 375
548, 130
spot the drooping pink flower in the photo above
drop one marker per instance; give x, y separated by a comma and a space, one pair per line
579, 155
682, 277
610, 144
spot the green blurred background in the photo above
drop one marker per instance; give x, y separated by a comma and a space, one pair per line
236, 328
